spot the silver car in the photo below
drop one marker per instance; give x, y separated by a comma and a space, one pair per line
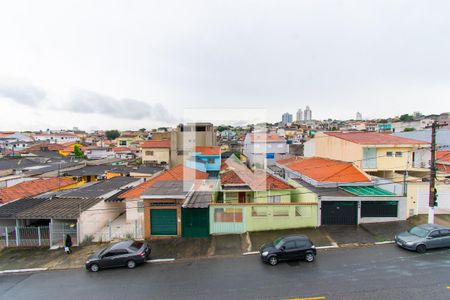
422, 237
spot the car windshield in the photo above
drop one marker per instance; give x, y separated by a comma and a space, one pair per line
278, 243
102, 251
418, 231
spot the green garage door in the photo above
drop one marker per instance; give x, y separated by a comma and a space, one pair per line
163, 221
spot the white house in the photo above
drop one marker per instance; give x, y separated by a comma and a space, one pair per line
57, 138
99, 153
263, 149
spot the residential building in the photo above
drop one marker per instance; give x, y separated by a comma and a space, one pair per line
263, 149
358, 116
299, 115
286, 118
127, 139
411, 125
57, 137
256, 201
134, 203
376, 153
186, 137
155, 151
82, 212
346, 194
95, 152
308, 114
205, 159
175, 209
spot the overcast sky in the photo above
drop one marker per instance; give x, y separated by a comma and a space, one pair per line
134, 64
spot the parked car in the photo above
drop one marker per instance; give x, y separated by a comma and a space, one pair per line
422, 237
293, 247
126, 253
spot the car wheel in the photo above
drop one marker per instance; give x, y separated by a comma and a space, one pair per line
273, 260
309, 257
131, 264
421, 249
94, 268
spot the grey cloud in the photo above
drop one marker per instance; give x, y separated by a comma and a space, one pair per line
21, 92
83, 101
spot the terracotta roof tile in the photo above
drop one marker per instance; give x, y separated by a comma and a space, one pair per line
328, 170
286, 161
179, 172
156, 144
33, 188
208, 150
234, 172
374, 138
443, 156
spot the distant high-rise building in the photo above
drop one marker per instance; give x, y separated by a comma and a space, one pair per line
308, 114
358, 116
299, 116
286, 118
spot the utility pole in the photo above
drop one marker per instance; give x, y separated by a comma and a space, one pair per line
433, 193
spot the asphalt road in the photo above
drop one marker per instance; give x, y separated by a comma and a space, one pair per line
377, 272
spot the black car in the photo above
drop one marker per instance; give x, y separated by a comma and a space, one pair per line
127, 253
291, 247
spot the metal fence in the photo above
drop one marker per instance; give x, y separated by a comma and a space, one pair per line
13, 236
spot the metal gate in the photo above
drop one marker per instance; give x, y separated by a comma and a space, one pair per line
59, 230
163, 221
195, 222
339, 213
379, 209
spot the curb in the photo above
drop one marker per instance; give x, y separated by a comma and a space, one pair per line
160, 260
23, 270
384, 242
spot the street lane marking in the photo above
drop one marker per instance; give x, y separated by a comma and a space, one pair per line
384, 242
160, 260
309, 298
23, 270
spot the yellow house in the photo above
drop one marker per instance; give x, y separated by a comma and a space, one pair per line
68, 149
376, 153
156, 152
127, 139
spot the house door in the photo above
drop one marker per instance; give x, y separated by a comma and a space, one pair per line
242, 197
339, 213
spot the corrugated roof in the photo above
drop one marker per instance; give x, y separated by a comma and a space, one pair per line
374, 138
198, 200
58, 208
168, 188
100, 189
328, 170
366, 191
11, 209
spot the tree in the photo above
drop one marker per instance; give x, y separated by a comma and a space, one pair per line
409, 129
112, 134
406, 118
77, 152
142, 130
